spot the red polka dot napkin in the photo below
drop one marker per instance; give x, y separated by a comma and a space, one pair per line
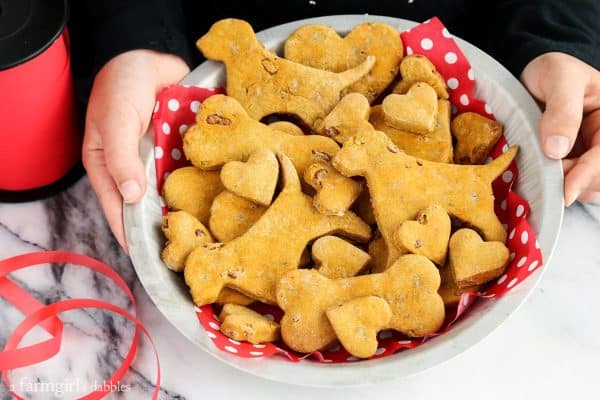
175, 112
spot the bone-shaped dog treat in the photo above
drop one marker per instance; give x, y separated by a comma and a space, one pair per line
192, 190
348, 116
335, 193
336, 258
401, 185
184, 233
435, 146
417, 68
254, 179
357, 322
225, 132
473, 261
267, 84
232, 215
414, 111
428, 235
319, 46
241, 323
254, 262
409, 287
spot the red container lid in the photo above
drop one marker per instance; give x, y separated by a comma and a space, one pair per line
28, 27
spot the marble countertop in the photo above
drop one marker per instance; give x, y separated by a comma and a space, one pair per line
548, 349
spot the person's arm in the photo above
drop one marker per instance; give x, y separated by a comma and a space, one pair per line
101, 30
131, 49
523, 30
554, 47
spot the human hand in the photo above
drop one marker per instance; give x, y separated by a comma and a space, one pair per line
118, 115
570, 125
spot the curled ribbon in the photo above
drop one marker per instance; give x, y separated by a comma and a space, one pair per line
46, 316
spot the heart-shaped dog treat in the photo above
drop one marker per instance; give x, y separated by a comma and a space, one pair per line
357, 322
254, 179
475, 136
417, 68
414, 111
336, 258
428, 235
321, 47
473, 261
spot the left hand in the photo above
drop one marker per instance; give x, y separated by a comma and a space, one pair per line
570, 124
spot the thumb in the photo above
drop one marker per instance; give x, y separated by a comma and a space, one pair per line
120, 129
562, 116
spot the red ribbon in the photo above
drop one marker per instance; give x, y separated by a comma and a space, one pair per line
46, 316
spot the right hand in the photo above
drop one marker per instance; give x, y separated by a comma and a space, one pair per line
118, 115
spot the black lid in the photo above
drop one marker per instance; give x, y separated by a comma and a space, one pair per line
28, 27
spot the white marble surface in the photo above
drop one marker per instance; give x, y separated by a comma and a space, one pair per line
549, 349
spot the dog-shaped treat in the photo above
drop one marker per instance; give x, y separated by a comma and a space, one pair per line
267, 84
401, 185
253, 263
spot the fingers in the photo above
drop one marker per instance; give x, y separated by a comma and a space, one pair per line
119, 127
105, 188
583, 176
562, 116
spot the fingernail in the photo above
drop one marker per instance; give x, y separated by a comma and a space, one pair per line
130, 190
556, 146
571, 199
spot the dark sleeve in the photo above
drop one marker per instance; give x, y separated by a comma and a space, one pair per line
525, 29
101, 30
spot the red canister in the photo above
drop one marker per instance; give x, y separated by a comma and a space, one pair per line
39, 138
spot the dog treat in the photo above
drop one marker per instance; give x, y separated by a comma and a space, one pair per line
335, 193
473, 261
225, 132
319, 46
184, 233
475, 136
409, 287
254, 262
266, 84
255, 179
357, 322
230, 296
414, 111
401, 185
348, 116
417, 68
449, 291
336, 258
232, 215
243, 324
378, 252
362, 205
287, 127
428, 235
192, 190
435, 146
